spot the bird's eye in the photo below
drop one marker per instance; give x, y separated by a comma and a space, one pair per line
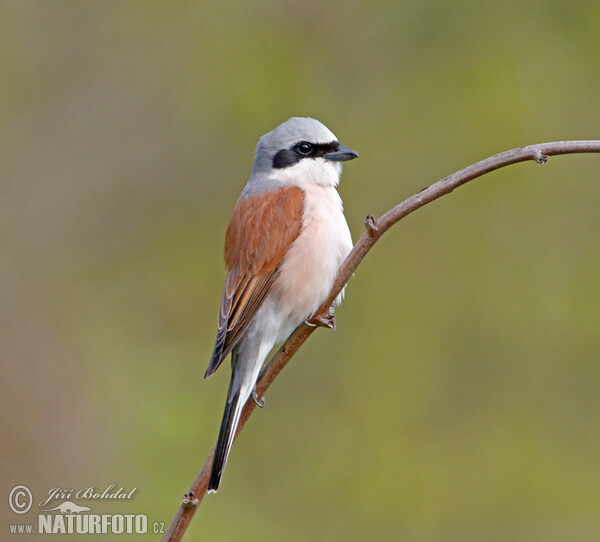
305, 148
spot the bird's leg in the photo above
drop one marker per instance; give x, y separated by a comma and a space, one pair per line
260, 403
322, 320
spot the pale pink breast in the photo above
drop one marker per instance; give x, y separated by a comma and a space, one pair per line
311, 264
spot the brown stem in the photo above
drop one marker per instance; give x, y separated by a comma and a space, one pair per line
375, 229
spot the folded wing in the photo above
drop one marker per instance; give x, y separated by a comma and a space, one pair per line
260, 232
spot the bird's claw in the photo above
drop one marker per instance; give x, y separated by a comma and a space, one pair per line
322, 320
260, 403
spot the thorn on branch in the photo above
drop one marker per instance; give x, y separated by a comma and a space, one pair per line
371, 224
540, 157
189, 499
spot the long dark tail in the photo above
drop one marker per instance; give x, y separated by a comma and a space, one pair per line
231, 417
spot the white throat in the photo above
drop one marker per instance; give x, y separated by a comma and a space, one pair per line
315, 171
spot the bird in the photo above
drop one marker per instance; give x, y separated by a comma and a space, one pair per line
286, 240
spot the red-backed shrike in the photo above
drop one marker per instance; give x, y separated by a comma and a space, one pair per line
285, 242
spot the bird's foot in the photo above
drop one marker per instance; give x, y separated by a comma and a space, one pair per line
260, 403
322, 320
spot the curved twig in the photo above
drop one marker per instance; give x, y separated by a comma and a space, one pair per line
374, 230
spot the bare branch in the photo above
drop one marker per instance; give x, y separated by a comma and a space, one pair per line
375, 229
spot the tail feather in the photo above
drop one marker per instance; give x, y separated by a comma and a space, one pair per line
231, 418
246, 361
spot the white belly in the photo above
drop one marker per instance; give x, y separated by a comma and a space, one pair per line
311, 264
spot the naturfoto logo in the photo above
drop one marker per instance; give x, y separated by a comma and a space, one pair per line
71, 517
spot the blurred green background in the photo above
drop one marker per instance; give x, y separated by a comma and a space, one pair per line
459, 397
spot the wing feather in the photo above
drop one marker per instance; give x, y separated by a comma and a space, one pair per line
260, 232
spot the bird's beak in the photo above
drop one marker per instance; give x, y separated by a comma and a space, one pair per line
341, 155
